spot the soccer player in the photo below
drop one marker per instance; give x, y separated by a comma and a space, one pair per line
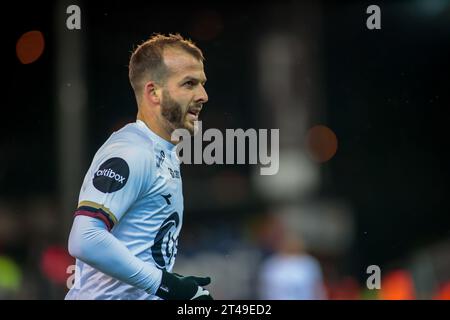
125, 231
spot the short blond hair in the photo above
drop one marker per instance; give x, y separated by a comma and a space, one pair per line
147, 63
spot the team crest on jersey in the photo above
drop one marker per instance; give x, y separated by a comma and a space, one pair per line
111, 176
165, 245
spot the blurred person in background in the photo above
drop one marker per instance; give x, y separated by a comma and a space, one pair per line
290, 273
126, 228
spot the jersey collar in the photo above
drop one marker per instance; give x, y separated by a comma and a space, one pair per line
166, 144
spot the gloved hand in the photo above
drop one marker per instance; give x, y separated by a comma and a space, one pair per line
176, 287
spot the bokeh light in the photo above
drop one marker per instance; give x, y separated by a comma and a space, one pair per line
54, 263
397, 285
321, 143
443, 292
30, 47
10, 274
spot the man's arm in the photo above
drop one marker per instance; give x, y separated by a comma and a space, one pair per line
91, 242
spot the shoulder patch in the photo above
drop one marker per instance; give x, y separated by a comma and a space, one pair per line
112, 175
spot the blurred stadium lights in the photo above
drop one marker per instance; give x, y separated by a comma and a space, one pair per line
430, 270
298, 177
289, 92
278, 71
70, 85
291, 89
54, 263
397, 285
326, 228
443, 292
30, 46
321, 143
277, 68
10, 277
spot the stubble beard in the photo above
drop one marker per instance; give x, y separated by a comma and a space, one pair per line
174, 115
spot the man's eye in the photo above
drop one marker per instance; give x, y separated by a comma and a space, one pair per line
189, 84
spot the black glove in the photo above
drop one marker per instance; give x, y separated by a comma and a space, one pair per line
176, 287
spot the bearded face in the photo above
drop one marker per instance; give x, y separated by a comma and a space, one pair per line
179, 116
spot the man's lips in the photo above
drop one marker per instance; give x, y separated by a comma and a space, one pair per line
194, 113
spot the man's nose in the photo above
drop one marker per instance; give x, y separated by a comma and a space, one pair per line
202, 96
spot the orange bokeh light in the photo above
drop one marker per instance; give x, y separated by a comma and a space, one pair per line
444, 292
321, 143
397, 285
30, 47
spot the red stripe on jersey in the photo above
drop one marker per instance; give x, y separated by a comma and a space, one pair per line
97, 215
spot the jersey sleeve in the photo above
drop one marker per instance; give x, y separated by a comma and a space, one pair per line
90, 242
115, 180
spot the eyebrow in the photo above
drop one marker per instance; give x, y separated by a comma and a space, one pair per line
190, 78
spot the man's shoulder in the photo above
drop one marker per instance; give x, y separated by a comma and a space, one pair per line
128, 144
130, 139
132, 134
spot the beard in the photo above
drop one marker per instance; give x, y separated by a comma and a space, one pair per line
174, 113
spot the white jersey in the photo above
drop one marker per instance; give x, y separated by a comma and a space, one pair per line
134, 185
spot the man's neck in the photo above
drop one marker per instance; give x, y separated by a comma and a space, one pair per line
150, 122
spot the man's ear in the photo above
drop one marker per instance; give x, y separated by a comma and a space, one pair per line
152, 92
